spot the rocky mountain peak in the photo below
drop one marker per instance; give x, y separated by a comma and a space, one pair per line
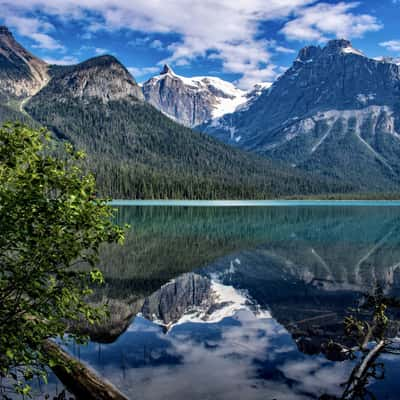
193, 100
167, 70
308, 53
102, 77
336, 47
103, 60
335, 110
21, 73
4, 31
341, 46
9, 45
10, 48
338, 44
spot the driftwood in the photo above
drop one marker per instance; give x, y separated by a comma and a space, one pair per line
374, 331
79, 379
359, 376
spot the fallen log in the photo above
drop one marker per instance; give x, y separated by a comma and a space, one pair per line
79, 379
359, 374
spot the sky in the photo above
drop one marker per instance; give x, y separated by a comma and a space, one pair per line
243, 41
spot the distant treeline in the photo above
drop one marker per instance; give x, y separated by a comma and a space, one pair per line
136, 152
136, 181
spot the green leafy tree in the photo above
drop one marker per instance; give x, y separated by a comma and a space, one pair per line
50, 223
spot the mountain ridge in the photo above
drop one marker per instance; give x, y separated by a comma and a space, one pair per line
135, 151
102, 77
195, 100
334, 111
21, 73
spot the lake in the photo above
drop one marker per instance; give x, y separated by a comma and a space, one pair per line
212, 302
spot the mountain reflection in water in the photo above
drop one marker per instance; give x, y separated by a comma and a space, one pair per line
239, 303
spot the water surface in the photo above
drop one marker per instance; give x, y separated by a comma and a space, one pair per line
237, 302
257, 203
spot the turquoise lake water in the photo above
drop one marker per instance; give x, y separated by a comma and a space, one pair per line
237, 301
257, 203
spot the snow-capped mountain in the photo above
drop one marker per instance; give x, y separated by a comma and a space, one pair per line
335, 111
192, 101
196, 298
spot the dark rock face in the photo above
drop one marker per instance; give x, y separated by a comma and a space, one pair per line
190, 101
166, 70
21, 73
171, 96
334, 110
5, 31
103, 78
173, 299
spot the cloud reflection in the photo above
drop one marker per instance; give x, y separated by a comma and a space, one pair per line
242, 357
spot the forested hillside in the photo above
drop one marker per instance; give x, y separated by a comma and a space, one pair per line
335, 111
137, 152
134, 150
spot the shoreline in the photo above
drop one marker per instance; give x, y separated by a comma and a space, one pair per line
257, 203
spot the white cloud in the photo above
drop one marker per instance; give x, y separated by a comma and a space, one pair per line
230, 364
324, 20
100, 50
156, 44
226, 30
141, 71
87, 36
46, 42
282, 49
67, 60
392, 45
138, 42
34, 28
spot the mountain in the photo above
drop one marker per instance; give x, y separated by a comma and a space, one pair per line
21, 73
193, 101
334, 111
103, 78
137, 152
197, 299
134, 150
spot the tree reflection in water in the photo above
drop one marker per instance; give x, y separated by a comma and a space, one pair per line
371, 326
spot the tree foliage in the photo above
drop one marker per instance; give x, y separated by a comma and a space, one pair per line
50, 222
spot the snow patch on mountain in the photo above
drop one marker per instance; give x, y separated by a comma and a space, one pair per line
253, 94
222, 123
226, 302
227, 97
194, 100
365, 98
378, 117
352, 50
389, 60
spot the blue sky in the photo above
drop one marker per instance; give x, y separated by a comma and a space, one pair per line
245, 41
